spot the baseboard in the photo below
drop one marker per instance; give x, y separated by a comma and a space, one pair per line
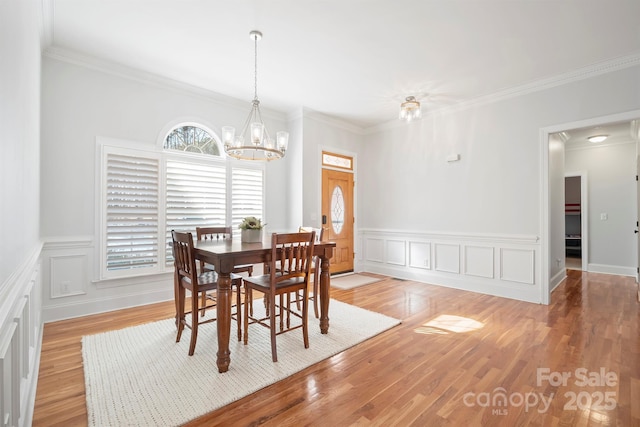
557, 279
611, 269
86, 307
527, 293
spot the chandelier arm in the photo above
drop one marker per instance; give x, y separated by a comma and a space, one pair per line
259, 117
247, 121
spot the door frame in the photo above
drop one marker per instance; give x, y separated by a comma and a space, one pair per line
356, 239
545, 207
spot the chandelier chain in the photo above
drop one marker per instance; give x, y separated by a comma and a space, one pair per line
255, 68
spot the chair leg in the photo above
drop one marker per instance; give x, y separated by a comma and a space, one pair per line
298, 300
281, 315
272, 323
305, 317
194, 321
248, 297
180, 314
203, 303
239, 312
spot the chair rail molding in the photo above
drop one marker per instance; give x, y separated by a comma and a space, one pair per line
496, 264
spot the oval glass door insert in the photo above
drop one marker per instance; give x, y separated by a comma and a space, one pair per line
337, 209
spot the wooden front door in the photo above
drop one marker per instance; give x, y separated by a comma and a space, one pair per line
337, 217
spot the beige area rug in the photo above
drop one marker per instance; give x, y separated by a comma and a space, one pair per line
139, 376
351, 281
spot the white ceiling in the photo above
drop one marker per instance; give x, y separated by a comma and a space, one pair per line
356, 60
617, 133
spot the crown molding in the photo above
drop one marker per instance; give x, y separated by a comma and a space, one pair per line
584, 73
144, 77
151, 79
307, 113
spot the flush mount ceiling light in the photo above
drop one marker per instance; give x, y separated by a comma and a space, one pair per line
410, 109
597, 138
258, 145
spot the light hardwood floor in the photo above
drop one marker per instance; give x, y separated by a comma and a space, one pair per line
453, 355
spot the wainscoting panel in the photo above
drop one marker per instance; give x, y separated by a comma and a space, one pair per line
479, 261
69, 275
498, 265
374, 250
517, 265
447, 257
20, 342
72, 290
419, 254
396, 252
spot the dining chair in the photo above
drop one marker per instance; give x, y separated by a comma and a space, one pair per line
198, 283
289, 267
315, 267
216, 234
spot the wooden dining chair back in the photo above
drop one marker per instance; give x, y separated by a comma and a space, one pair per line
315, 268
289, 270
198, 283
217, 234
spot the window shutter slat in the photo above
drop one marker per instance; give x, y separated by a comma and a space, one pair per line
132, 198
195, 197
246, 195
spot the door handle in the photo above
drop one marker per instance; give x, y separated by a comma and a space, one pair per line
324, 220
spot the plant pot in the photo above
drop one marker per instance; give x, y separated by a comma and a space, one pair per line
251, 236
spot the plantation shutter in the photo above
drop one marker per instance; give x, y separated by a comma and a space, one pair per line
246, 195
132, 197
195, 197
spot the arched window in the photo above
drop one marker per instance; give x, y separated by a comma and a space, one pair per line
147, 192
191, 139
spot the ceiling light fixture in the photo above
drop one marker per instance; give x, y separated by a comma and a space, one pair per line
258, 145
597, 138
410, 109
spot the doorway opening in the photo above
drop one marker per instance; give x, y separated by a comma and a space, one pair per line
574, 223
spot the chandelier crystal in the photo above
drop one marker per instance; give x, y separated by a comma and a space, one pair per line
254, 142
410, 109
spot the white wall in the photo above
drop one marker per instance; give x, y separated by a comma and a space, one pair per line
611, 187
475, 224
83, 100
20, 288
322, 133
409, 193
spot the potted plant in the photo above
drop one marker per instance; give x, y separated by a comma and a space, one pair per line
251, 229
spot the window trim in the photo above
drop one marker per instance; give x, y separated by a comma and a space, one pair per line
135, 148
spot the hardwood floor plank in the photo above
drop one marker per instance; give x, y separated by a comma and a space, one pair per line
453, 353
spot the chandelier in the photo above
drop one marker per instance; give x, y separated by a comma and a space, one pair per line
254, 142
410, 109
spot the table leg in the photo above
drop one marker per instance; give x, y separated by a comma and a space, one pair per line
324, 294
223, 308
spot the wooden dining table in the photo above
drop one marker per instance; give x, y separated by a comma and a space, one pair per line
225, 254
